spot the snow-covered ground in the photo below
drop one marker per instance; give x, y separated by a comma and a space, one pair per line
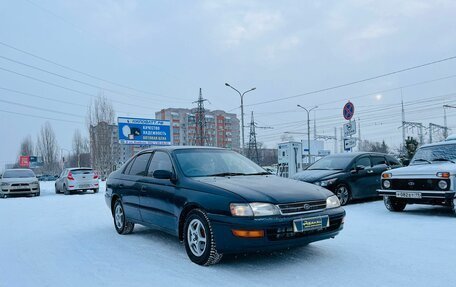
57, 240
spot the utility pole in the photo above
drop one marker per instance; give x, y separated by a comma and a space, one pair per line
412, 125
341, 140
433, 127
335, 139
403, 120
242, 112
315, 125
252, 151
200, 118
308, 130
445, 123
359, 134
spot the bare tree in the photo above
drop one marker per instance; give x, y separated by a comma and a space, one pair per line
47, 148
100, 122
80, 147
26, 146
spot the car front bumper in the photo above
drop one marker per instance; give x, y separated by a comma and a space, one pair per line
278, 231
8, 190
427, 196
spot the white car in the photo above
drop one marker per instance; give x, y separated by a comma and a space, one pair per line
77, 179
429, 179
19, 182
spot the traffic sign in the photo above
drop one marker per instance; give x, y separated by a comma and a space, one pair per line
349, 129
349, 143
348, 111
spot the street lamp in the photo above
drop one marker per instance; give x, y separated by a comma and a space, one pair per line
308, 127
242, 111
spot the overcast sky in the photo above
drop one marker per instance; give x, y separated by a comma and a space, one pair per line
169, 49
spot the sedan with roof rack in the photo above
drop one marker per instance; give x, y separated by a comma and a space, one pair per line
217, 202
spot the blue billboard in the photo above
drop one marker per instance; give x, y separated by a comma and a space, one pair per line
144, 131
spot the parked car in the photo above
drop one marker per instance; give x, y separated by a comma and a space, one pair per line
19, 182
217, 201
77, 179
46, 177
429, 179
350, 176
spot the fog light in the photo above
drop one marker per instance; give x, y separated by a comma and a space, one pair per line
386, 184
443, 184
248, 233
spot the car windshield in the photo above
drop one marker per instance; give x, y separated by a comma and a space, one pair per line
24, 173
332, 163
437, 153
205, 162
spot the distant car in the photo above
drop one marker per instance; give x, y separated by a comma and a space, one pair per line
77, 179
217, 202
429, 179
350, 176
19, 182
46, 177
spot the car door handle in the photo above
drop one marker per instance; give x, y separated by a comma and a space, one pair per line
370, 171
143, 189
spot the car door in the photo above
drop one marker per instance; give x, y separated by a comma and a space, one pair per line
379, 165
60, 180
130, 186
361, 179
157, 195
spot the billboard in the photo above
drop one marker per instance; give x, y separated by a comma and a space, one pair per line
137, 131
24, 161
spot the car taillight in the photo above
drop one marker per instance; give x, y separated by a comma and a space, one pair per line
95, 175
70, 176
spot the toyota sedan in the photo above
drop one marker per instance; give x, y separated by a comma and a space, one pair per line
217, 202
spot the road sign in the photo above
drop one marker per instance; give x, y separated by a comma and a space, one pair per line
144, 131
349, 143
348, 111
349, 129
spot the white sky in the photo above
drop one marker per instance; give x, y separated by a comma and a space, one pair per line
172, 48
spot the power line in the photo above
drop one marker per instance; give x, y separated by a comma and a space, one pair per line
40, 117
73, 80
356, 82
38, 108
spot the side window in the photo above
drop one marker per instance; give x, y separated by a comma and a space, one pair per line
392, 161
363, 161
160, 161
128, 167
139, 165
378, 160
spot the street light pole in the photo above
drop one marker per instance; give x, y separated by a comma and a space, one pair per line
308, 129
242, 112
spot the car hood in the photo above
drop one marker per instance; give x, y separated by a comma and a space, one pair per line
315, 175
19, 180
268, 188
424, 169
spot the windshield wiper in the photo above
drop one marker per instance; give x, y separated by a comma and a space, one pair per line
422, 159
443, 159
259, 173
227, 174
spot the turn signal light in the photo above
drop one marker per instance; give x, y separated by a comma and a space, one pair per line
443, 174
386, 175
248, 233
70, 176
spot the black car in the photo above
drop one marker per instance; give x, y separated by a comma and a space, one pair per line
350, 176
217, 201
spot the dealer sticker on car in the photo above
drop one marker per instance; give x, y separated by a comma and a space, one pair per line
313, 223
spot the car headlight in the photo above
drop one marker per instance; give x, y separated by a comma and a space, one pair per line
332, 202
327, 182
5, 184
35, 182
253, 209
443, 184
386, 184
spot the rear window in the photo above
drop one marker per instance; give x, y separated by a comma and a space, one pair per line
24, 173
82, 171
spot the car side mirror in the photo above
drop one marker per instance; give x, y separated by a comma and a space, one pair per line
163, 174
357, 169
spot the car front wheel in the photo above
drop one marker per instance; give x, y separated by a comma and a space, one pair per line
122, 225
343, 193
199, 239
393, 204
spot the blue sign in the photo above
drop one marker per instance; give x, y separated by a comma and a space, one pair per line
348, 111
144, 131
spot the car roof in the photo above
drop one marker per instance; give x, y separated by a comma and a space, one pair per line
13, 169
449, 142
76, 168
356, 154
173, 148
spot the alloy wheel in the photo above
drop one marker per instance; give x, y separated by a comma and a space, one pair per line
119, 216
196, 237
343, 194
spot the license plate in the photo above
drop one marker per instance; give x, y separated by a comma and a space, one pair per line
84, 185
313, 223
408, 194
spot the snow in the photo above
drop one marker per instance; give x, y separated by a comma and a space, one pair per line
57, 240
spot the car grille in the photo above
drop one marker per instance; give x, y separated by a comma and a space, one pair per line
302, 207
284, 233
417, 184
19, 187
